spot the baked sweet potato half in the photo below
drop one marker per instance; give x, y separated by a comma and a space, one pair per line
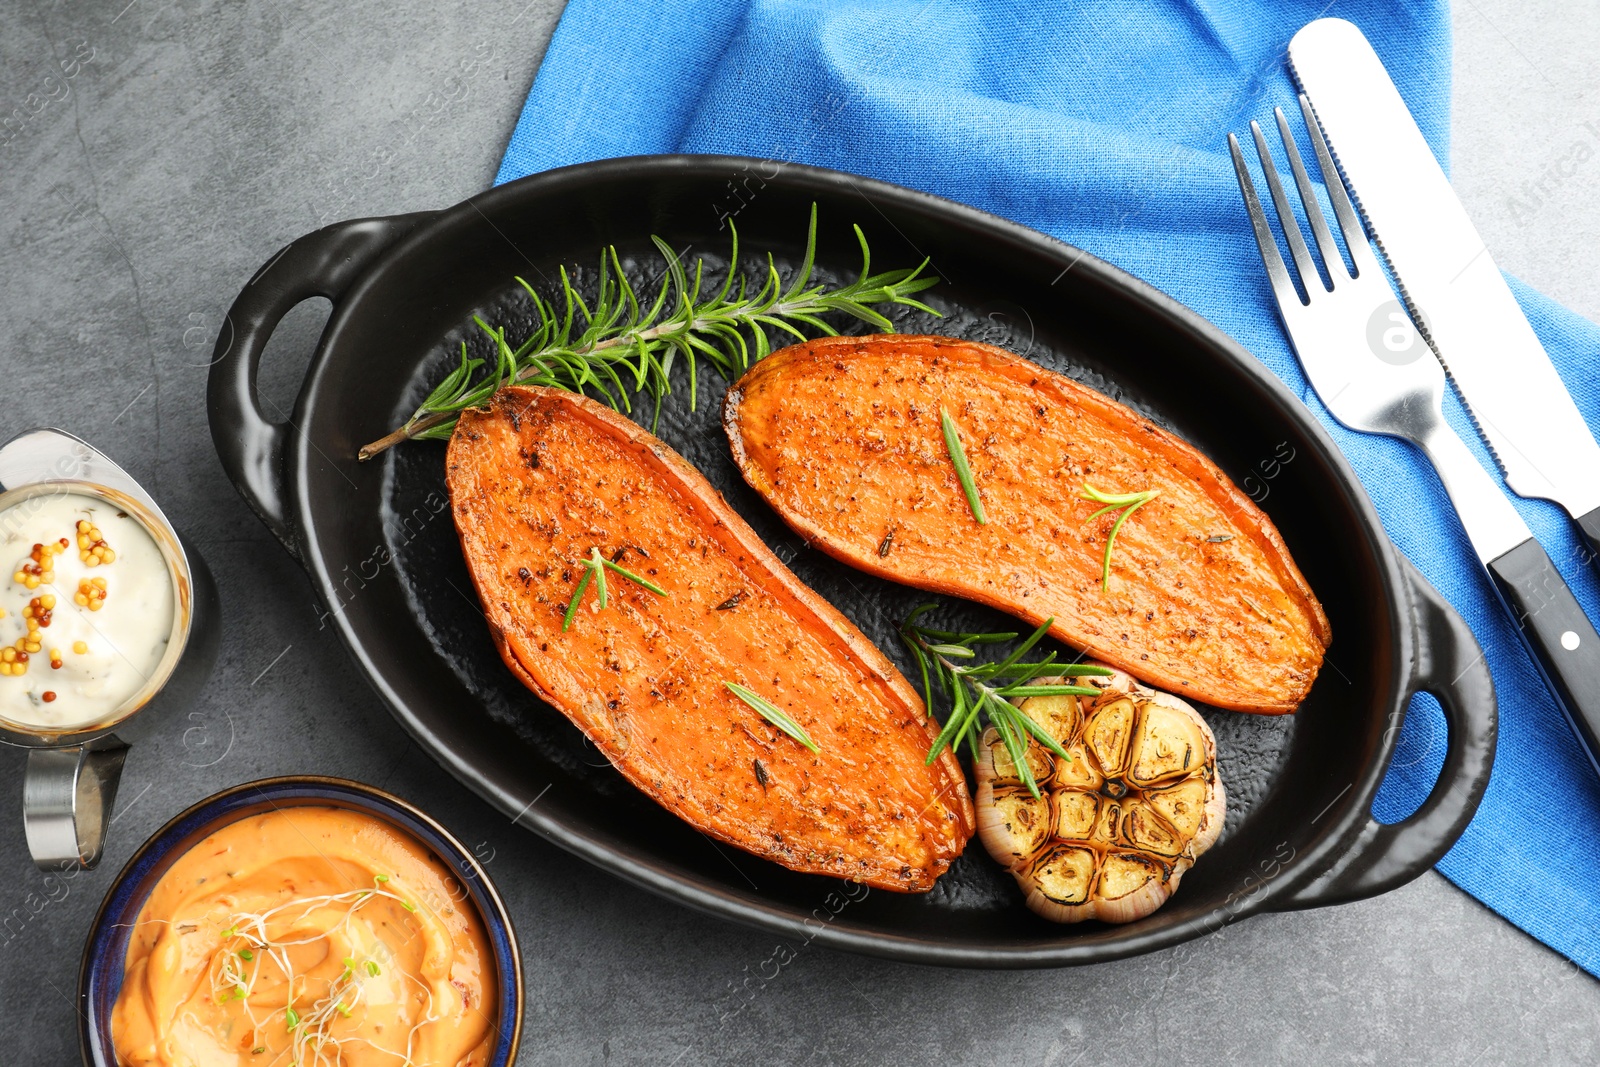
541, 479
843, 437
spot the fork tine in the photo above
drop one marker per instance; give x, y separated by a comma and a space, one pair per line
1277, 273
1308, 199
1355, 235
1291, 226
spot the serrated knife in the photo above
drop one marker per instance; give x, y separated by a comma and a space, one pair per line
1463, 307
1448, 279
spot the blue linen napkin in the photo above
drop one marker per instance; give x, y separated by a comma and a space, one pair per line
1104, 123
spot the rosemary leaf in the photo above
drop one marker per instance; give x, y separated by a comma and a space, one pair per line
1074, 670
596, 565
922, 661
958, 459
773, 714
1022, 649
572, 605
968, 720
952, 726
1050, 691
1016, 747
952, 635
632, 577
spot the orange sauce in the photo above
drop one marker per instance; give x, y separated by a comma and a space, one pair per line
307, 935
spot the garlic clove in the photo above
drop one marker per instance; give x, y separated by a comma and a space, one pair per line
1040, 762
1146, 830
1016, 824
1059, 715
1065, 875
1076, 815
1109, 730
1079, 772
1132, 886
1181, 805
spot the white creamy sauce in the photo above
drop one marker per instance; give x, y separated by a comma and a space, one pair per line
105, 655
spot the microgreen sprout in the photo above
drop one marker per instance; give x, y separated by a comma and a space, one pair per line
313, 1043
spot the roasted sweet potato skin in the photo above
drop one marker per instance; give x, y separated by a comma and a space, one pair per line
539, 479
842, 437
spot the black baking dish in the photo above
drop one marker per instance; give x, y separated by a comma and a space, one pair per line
377, 541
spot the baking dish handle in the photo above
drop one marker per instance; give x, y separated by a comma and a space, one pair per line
250, 444
1450, 666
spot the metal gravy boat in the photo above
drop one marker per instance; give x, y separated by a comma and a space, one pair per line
70, 784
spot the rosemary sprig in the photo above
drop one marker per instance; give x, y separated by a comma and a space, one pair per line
594, 569
1113, 501
622, 344
976, 689
958, 459
773, 714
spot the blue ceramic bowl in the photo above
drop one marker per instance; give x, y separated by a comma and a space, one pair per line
100, 979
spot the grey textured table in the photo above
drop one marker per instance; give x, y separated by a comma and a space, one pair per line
195, 138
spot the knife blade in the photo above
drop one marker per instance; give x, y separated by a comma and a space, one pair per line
1448, 279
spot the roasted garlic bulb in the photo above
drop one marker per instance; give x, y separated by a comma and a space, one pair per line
1117, 825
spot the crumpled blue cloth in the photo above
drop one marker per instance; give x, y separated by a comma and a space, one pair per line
1103, 123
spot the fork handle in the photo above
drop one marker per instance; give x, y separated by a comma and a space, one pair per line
1560, 636
1491, 522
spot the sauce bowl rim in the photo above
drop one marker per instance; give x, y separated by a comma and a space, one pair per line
133, 884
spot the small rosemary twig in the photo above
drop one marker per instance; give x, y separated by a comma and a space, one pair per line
978, 689
958, 459
594, 569
620, 345
1112, 501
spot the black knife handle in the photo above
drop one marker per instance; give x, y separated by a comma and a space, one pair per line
1560, 636
1589, 527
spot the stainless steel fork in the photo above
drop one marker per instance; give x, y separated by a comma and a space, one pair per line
1356, 342
1377, 375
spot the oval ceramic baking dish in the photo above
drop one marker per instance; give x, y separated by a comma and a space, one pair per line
377, 541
